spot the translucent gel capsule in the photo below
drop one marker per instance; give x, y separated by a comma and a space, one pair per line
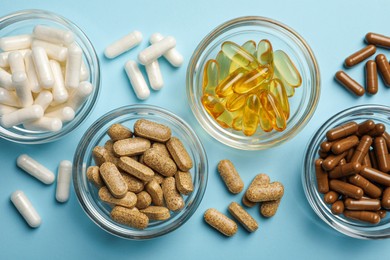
277, 89
252, 80
239, 55
237, 123
225, 119
264, 53
290, 91
250, 119
272, 106
225, 87
213, 105
265, 121
250, 47
224, 65
284, 65
210, 77
235, 102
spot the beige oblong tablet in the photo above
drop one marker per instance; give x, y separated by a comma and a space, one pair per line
135, 168
162, 164
184, 182
143, 200
131, 146
133, 184
243, 217
156, 192
118, 132
260, 180
113, 179
162, 149
130, 217
268, 208
152, 130
230, 176
220, 222
179, 154
128, 201
173, 199
272, 191
156, 213
93, 175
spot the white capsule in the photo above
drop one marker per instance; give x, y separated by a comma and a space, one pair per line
65, 114
73, 66
54, 51
63, 181
60, 94
84, 71
22, 88
154, 74
80, 95
54, 35
35, 169
137, 80
5, 80
50, 124
155, 51
31, 73
9, 98
17, 42
172, 55
26, 209
16, 62
4, 57
124, 44
44, 99
4, 109
42, 67
21, 116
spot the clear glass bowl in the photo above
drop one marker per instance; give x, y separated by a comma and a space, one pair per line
87, 193
24, 22
240, 30
357, 229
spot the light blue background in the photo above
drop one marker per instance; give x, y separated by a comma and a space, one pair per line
334, 29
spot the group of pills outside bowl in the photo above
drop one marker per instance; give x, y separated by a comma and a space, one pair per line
160, 46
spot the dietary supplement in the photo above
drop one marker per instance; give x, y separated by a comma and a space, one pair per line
230, 176
243, 217
220, 222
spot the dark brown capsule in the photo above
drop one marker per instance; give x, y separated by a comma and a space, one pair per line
322, 154
350, 154
326, 146
362, 149
345, 170
337, 207
378, 40
367, 160
331, 196
381, 153
349, 83
360, 56
322, 177
346, 189
332, 160
374, 163
375, 176
362, 204
342, 162
384, 68
382, 213
365, 216
345, 144
342, 131
365, 127
369, 188
386, 198
371, 77
386, 136
378, 130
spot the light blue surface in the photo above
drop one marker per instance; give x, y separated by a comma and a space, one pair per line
334, 29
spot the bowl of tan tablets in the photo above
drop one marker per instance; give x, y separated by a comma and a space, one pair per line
253, 83
346, 170
140, 172
49, 76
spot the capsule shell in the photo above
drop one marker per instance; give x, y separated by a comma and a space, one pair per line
246, 220
26, 209
381, 153
365, 216
345, 170
378, 130
346, 189
360, 55
386, 198
331, 197
345, 144
230, 176
362, 204
322, 177
152, 130
369, 188
371, 77
220, 222
376, 176
35, 169
350, 84
337, 207
378, 40
330, 162
362, 149
384, 68
342, 131
365, 126
130, 217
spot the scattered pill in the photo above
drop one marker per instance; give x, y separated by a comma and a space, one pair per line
156, 50
269, 208
137, 80
359, 56
378, 40
384, 68
242, 216
272, 191
63, 181
26, 209
371, 77
154, 75
220, 222
35, 169
172, 55
230, 176
349, 83
124, 44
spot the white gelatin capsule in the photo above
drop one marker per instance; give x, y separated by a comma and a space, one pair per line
21, 116
16, 62
154, 75
26, 209
44, 123
31, 73
65, 114
73, 66
22, 88
60, 94
124, 44
53, 51
35, 169
79, 95
84, 71
42, 67
5, 80
44, 99
63, 181
172, 55
137, 80
9, 98
155, 51
4, 57
17, 42
54, 35
4, 109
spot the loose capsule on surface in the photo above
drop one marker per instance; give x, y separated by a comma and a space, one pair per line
172, 55
93, 175
173, 199
346, 189
384, 68
369, 188
130, 217
26, 209
113, 179
246, 220
156, 192
143, 200
162, 164
156, 213
362, 204
128, 201
360, 55
179, 154
220, 222
137, 80
135, 168
184, 182
63, 181
154, 75
124, 44
152, 130
349, 83
230, 176
35, 169
246, 202
131, 146
268, 208
272, 191
378, 39
260, 180
156, 50
365, 216
371, 77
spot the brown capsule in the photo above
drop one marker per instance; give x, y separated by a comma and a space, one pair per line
272, 191
362, 149
184, 182
152, 130
378, 40
369, 188
378, 130
382, 213
269, 208
113, 179
173, 199
371, 77
349, 83
131, 146
93, 176
367, 160
375, 175
345, 144
345, 170
346, 189
374, 162
242, 216
342, 131
220, 222
135, 168
322, 154
133, 184
128, 201
381, 153
365, 127
360, 56
143, 200
337, 207
342, 162
130, 217
349, 155
386, 198
330, 197
386, 136
365, 216
162, 164
179, 154
230, 176
362, 204
155, 191
384, 68
326, 146
118, 132
156, 213
330, 162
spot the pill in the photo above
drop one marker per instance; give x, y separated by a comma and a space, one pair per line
131, 146
362, 204
172, 197
272, 191
73, 66
44, 123
179, 154
350, 84
130, 217
154, 75
84, 71
100, 155
143, 200
365, 216
44, 99
63, 181
322, 154
22, 88
381, 153
374, 163
326, 146
220, 222
386, 198
54, 35
230, 176
60, 94
382, 213
345, 144
80, 95
9, 98
331, 197
16, 62
54, 51
162, 149
242, 216
342, 131
31, 73
128, 201
346, 189
124, 44
156, 213
386, 136
246, 202
113, 179
93, 175
362, 149
4, 109
117, 132
367, 161
330, 162
135, 168
269, 208
345, 170
21, 116
42, 67
137, 80
65, 114
384, 68
371, 77
152, 130
184, 182
162, 164
133, 184
26, 209
369, 188
337, 207
172, 55
378, 40
156, 192
5, 80
360, 55
156, 50
260, 180
378, 130
35, 169
364, 127
17, 42
158, 177
4, 57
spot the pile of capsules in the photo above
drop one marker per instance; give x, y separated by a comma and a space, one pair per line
246, 88
43, 79
372, 66
160, 46
353, 177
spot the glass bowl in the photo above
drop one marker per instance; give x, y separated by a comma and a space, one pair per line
96, 135
240, 30
24, 22
357, 229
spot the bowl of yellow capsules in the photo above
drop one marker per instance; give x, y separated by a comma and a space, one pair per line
140, 172
253, 83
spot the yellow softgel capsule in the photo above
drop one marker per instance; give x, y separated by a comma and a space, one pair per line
250, 119
264, 52
272, 106
250, 47
239, 55
286, 68
264, 120
227, 119
235, 102
225, 87
210, 77
252, 79
224, 65
290, 91
277, 89
213, 105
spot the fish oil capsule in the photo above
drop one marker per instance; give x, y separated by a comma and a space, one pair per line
64, 114
93, 175
224, 65
277, 89
162, 164
131, 146
133, 184
42, 67
154, 75
362, 204
360, 56
17, 42
246, 220
212, 105
179, 154
5, 80
73, 66
371, 77
250, 119
369, 188
124, 44
378, 130
60, 94
252, 80
264, 53
44, 124
118, 132
375, 176
31, 73
9, 98
22, 88
210, 77
143, 200
156, 192
230, 176
342, 131
386, 198
26, 209
113, 179
225, 87
63, 181
16, 62
239, 55
128, 201
322, 177
383, 66
173, 199
156, 50
235, 102
44, 99
184, 182
35, 169
54, 51
152, 130
135, 168
345, 170
378, 40
365, 127
272, 191
345, 144
381, 153
250, 47
365, 216
331, 197
337, 207
130, 217
54, 35
346, 189
274, 109
286, 68
172, 55
156, 213
21, 115
349, 83
220, 222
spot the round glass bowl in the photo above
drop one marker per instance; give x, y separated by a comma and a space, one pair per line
240, 30
23, 22
87, 193
357, 229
